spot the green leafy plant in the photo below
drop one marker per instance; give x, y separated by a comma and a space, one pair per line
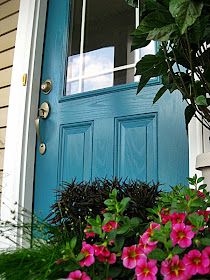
182, 30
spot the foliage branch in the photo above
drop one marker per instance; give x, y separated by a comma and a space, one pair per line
182, 30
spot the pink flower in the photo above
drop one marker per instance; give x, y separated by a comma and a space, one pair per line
196, 262
104, 255
110, 226
131, 255
78, 275
146, 237
177, 218
182, 235
88, 252
165, 215
145, 247
101, 250
88, 232
146, 270
111, 259
174, 269
206, 251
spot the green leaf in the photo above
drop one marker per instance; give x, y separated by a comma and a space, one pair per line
205, 241
189, 113
123, 229
98, 220
108, 202
200, 179
124, 203
155, 19
73, 243
202, 187
185, 12
135, 222
92, 222
160, 92
157, 254
163, 33
132, 3
80, 256
114, 271
196, 220
139, 41
201, 101
142, 83
119, 242
152, 65
177, 250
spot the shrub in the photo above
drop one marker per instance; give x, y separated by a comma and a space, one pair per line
77, 201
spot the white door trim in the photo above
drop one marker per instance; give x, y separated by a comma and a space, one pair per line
19, 157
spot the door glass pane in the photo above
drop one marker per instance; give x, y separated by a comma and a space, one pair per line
99, 45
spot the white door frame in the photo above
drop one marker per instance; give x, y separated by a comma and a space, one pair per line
18, 176
19, 157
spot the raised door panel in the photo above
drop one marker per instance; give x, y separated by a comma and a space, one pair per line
136, 143
76, 152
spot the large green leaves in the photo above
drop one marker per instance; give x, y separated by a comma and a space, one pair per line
163, 33
152, 27
150, 66
189, 113
185, 12
132, 3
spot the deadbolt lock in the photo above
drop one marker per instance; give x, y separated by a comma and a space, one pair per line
44, 110
46, 86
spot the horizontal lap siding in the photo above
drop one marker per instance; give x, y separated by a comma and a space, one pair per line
8, 25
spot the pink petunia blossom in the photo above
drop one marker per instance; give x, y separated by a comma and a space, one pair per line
177, 218
182, 235
145, 247
146, 270
88, 232
174, 269
165, 215
88, 252
206, 251
101, 250
78, 275
111, 259
110, 226
131, 255
196, 262
146, 237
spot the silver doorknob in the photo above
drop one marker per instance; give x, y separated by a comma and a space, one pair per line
46, 86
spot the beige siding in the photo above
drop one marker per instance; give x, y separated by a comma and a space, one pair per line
8, 8
8, 25
4, 96
2, 137
7, 41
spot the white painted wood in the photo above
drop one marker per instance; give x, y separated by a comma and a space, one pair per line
23, 102
195, 145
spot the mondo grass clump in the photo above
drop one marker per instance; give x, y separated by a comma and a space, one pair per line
77, 201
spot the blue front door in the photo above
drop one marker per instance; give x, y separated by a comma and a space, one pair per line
98, 126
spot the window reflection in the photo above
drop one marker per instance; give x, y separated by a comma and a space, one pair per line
99, 45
